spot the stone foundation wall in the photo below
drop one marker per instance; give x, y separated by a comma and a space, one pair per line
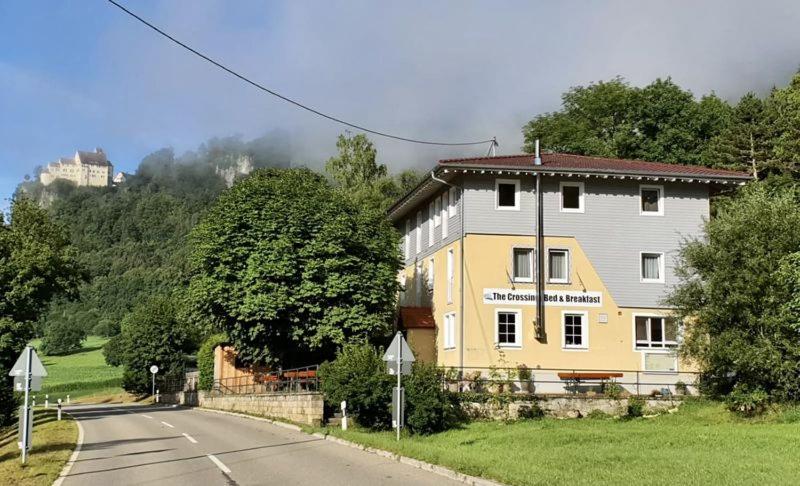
302, 408
564, 407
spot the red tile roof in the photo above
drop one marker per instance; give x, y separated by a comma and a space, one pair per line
583, 163
417, 318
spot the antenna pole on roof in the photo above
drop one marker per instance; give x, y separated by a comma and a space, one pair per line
493, 148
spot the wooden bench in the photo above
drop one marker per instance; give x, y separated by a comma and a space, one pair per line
578, 377
299, 375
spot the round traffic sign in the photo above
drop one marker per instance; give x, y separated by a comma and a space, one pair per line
154, 369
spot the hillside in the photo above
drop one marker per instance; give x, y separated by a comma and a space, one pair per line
130, 239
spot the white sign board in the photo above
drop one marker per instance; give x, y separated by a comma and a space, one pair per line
19, 383
37, 368
556, 298
405, 350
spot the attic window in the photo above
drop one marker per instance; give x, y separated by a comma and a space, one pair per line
506, 194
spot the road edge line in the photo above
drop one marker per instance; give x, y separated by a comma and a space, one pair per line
409, 461
285, 425
72, 458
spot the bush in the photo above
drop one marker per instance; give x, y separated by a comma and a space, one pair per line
747, 401
62, 337
358, 376
530, 412
428, 407
635, 407
597, 415
205, 360
613, 390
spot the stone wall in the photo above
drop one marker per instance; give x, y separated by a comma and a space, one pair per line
564, 407
301, 408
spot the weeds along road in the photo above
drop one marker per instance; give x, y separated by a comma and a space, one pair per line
134, 444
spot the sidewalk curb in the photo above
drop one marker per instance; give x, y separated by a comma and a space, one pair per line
416, 463
72, 458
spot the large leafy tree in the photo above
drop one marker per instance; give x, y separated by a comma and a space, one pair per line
359, 177
151, 334
36, 264
738, 293
290, 270
660, 121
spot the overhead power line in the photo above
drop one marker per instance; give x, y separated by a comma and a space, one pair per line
285, 98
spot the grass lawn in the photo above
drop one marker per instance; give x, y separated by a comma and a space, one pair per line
700, 444
80, 374
53, 443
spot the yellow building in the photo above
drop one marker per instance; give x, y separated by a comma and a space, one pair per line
609, 231
84, 169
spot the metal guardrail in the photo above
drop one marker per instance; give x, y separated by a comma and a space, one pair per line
294, 380
572, 382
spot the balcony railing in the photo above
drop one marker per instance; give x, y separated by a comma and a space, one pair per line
295, 380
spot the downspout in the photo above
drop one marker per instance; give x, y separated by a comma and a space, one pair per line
461, 273
541, 334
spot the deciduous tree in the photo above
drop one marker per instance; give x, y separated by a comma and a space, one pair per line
290, 270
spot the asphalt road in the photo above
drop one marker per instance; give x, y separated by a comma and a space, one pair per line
129, 444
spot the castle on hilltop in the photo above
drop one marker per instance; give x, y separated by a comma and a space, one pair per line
84, 169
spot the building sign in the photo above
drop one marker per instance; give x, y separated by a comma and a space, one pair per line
557, 298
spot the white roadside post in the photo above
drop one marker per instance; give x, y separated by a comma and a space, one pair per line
47, 401
399, 359
344, 415
59, 409
153, 371
67, 399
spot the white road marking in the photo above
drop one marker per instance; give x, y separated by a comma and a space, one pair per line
168, 425
146, 416
191, 439
219, 464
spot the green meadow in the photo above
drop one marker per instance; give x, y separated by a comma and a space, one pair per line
702, 443
82, 374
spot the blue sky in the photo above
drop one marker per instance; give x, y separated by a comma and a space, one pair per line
79, 74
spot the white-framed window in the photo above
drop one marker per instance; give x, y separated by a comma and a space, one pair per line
430, 274
651, 200
651, 267
452, 207
419, 232
437, 212
575, 330
431, 216
571, 197
508, 328
444, 214
506, 194
655, 332
450, 275
407, 240
450, 330
522, 264
558, 265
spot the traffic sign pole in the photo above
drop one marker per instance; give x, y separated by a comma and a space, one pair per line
26, 425
399, 390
